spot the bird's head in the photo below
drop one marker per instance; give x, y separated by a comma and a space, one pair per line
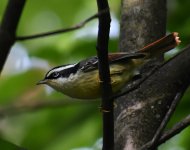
59, 76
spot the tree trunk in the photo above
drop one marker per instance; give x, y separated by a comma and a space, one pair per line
139, 113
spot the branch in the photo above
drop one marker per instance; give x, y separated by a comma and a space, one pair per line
177, 128
140, 112
104, 75
8, 28
75, 27
155, 94
17, 108
153, 143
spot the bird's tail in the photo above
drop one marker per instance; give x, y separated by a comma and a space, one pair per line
162, 45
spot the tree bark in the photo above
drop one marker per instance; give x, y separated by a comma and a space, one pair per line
142, 22
139, 113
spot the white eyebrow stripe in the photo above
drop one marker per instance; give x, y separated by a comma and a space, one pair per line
61, 68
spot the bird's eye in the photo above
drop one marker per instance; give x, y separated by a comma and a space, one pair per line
55, 74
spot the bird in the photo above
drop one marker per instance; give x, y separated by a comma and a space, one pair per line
81, 80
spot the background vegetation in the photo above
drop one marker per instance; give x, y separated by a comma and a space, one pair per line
37, 117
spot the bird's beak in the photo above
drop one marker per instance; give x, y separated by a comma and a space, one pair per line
44, 81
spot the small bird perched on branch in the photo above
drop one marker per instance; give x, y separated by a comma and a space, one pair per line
81, 80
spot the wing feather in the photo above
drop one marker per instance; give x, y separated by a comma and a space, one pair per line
92, 62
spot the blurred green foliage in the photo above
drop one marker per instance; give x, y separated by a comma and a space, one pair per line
72, 125
9, 146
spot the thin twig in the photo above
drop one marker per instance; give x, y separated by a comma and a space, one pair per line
17, 108
177, 128
75, 27
155, 139
104, 75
